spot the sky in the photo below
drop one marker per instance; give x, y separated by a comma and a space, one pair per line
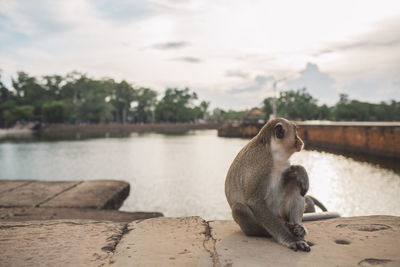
230, 52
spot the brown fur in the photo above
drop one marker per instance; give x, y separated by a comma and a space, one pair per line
262, 203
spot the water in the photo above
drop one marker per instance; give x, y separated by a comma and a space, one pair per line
184, 175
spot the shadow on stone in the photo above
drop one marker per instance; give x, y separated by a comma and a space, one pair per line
365, 227
342, 242
373, 262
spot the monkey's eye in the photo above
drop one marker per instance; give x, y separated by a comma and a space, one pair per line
279, 131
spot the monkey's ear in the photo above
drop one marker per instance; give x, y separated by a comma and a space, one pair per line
279, 131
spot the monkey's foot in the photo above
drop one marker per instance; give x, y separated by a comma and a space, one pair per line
296, 229
300, 245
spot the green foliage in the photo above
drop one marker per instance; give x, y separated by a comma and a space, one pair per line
122, 97
300, 105
29, 91
267, 106
78, 98
324, 112
91, 100
297, 105
19, 113
177, 106
230, 115
145, 100
204, 109
54, 112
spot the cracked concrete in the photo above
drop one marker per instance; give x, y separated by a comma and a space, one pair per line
190, 241
39, 230
209, 245
57, 243
337, 242
163, 242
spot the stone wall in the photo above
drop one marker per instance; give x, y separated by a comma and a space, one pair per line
369, 138
378, 140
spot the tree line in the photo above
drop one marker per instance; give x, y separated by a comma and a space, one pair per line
300, 105
77, 98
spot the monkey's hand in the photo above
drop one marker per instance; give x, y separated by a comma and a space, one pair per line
300, 174
301, 245
297, 229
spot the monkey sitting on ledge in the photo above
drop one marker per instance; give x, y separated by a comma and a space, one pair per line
265, 193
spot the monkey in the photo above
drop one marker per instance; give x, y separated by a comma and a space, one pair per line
266, 194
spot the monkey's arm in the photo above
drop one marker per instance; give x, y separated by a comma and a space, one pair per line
276, 228
298, 173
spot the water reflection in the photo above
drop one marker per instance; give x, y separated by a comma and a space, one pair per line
182, 175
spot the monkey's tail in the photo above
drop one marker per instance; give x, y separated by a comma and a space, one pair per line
318, 203
316, 216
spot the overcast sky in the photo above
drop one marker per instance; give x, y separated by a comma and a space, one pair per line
229, 52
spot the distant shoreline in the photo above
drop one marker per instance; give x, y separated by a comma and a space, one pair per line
101, 129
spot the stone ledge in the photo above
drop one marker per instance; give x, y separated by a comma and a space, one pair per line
353, 241
29, 214
97, 194
58, 243
164, 242
190, 241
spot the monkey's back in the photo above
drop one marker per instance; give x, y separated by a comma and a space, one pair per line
248, 171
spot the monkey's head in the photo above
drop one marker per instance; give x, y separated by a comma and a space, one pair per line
281, 133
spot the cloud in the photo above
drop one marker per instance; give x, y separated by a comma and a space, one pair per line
170, 45
146, 42
319, 84
372, 90
259, 83
359, 45
123, 10
189, 59
236, 73
384, 35
31, 18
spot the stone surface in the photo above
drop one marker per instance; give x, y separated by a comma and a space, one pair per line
357, 241
29, 214
7, 185
164, 242
100, 194
33, 193
58, 243
190, 241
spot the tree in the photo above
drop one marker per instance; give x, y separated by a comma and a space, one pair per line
324, 112
29, 91
230, 115
296, 105
7, 103
203, 109
91, 96
122, 96
53, 86
145, 100
267, 106
19, 113
54, 112
176, 106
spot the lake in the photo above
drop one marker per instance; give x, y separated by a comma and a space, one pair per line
184, 175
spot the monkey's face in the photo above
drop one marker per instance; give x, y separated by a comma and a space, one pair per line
285, 134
